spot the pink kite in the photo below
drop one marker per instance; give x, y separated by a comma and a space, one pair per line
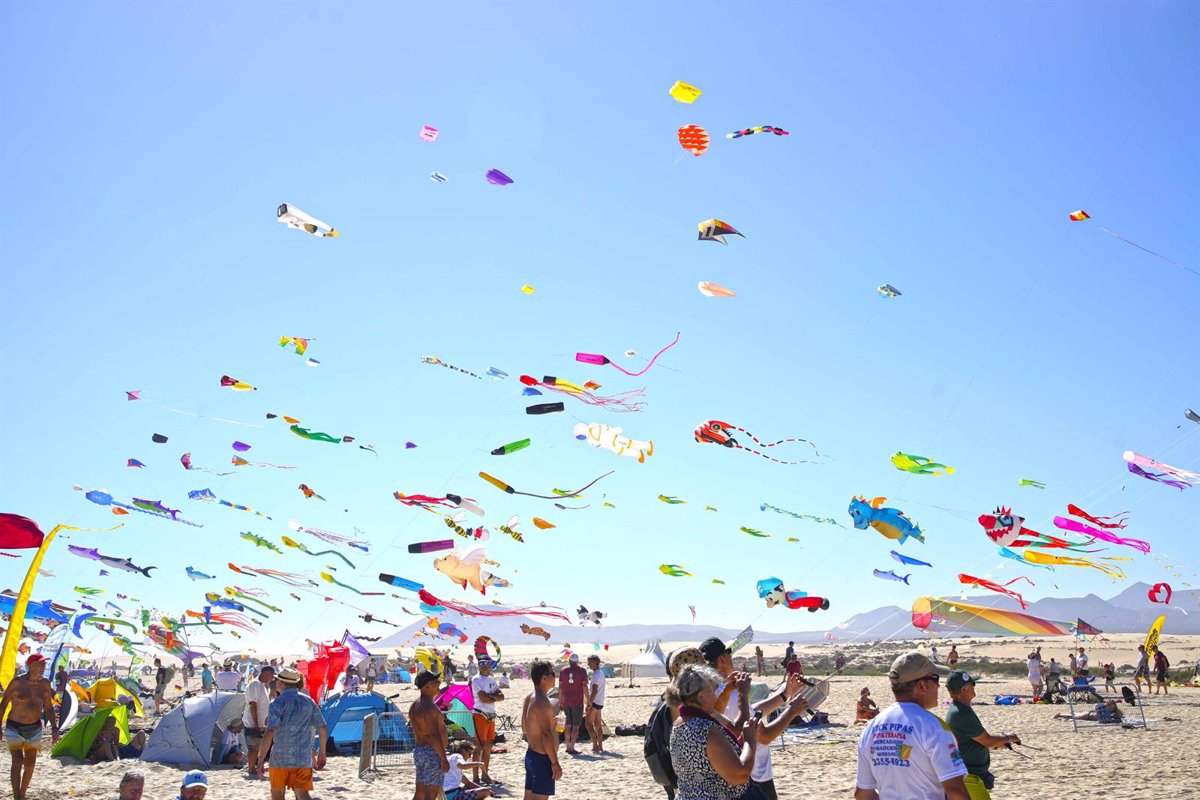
497, 611
599, 360
984, 583
1160, 593
1074, 526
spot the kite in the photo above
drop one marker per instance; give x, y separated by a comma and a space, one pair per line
483, 650
1006, 529
197, 575
298, 342
599, 360
693, 610
758, 129
20, 533
598, 434
1104, 535
1083, 216
890, 522
674, 570
545, 408
438, 177
684, 92
309, 493
455, 524
124, 564
1004, 551
534, 631
221, 602
236, 385
909, 560
511, 447
809, 517
496, 373
754, 532
1117, 521
511, 528
498, 611
714, 230
290, 542
886, 290
1192, 415
133, 462
527, 289
504, 487
542, 524
624, 402
329, 536
1030, 482
446, 629
694, 139
771, 590
439, 362
433, 546
992, 586
206, 496
295, 218
186, 460
89, 591
1160, 593
327, 577
428, 134
710, 289
318, 436
463, 568
283, 577
1038, 557
158, 438
1171, 476
239, 594
151, 507
497, 178
928, 610
260, 541
426, 502
238, 461
671, 500
890, 575
715, 431
919, 465
586, 616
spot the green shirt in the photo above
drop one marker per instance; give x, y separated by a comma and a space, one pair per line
965, 726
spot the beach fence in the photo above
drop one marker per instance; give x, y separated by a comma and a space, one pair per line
391, 744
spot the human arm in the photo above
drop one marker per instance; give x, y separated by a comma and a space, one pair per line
741, 682
444, 738
321, 734
956, 789
48, 709
865, 794
263, 749
732, 766
768, 732
994, 742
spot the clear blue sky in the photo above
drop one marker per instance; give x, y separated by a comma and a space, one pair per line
936, 147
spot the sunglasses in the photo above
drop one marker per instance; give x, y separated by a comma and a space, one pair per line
937, 679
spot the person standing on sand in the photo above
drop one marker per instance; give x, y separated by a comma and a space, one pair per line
431, 738
28, 699
1161, 666
761, 662
572, 687
254, 717
537, 723
291, 718
789, 654
1143, 669
595, 704
487, 693
160, 685
1034, 665
952, 656
206, 679
1081, 664
907, 753
974, 742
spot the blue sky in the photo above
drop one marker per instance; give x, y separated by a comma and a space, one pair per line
938, 148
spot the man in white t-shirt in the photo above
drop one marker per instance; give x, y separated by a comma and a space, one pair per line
594, 704
486, 692
228, 680
906, 753
1081, 664
254, 718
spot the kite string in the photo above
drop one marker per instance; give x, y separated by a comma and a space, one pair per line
651, 364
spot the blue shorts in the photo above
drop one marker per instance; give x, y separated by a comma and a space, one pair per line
539, 773
21, 735
429, 767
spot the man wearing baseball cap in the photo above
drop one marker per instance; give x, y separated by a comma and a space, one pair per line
907, 753
28, 697
194, 786
973, 741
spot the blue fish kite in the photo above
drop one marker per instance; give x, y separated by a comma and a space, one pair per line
1004, 551
912, 562
890, 576
197, 575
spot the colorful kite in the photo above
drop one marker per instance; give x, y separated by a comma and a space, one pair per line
428, 134
624, 402
206, 496
259, 541
927, 611
535, 631
684, 92
671, 500
694, 139
919, 465
463, 568
1103, 533
599, 360
152, 507
298, 220
714, 230
890, 522
1006, 553
809, 517
715, 431
329, 536
309, 493
1039, 557
133, 462
428, 502
504, 487
112, 562
288, 578
757, 129
290, 542
159, 438
771, 590
440, 363
298, 342
327, 577
886, 290
1160, 593
754, 532
992, 586
318, 436
542, 524
598, 434
1030, 482
469, 610
510, 528
197, 575
1158, 471
909, 560
447, 629
511, 447
433, 546
674, 570
890, 575
710, 289
236, 385
186, 461
238, 461
1008, 530
1083, 216
497, 178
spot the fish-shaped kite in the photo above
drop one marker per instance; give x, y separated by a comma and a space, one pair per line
259, 541
909, 560
890, 575
125, 564
197, 575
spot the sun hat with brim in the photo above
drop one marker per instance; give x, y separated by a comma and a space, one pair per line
912, 666
290, 675
682, 658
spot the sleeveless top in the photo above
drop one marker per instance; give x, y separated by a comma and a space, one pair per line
698, 780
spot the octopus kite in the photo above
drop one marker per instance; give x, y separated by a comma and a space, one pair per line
890, 522
1008, 530
717, 432
1103, 532
1039, 557
1157, 471
626, 402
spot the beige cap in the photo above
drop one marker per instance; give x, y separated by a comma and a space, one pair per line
913, 665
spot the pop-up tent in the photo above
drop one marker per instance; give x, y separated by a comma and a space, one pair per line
650, 663
77, 742
344, 715
192, 731
458, 704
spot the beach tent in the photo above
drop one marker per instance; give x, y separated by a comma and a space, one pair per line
191, 731
650, 663
106, 692
77, 742
344, 715
457, 703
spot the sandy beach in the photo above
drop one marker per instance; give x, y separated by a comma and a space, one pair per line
1105, 760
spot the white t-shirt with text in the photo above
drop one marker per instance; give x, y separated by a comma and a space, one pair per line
488, 685
905, 753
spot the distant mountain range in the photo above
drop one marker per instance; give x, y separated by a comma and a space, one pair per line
1127, 612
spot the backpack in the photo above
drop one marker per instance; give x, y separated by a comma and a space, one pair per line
657, 746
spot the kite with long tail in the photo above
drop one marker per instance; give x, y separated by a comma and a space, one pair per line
504, 487
186, 460
1103, 533
984, 583
1150, 469
623, 402
290, 542
428, 502
594, 358
152, 507
238, 594
137, 395
714, 431
329, 536
497, 611
1083, 216
206, 496
238, 461
327, 577
289, 578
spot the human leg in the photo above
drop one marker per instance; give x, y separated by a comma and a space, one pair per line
31, 754
18, 762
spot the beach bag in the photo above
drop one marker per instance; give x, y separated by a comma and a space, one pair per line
657, 746
1007, 700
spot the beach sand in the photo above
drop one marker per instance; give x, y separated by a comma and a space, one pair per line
1119, 764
